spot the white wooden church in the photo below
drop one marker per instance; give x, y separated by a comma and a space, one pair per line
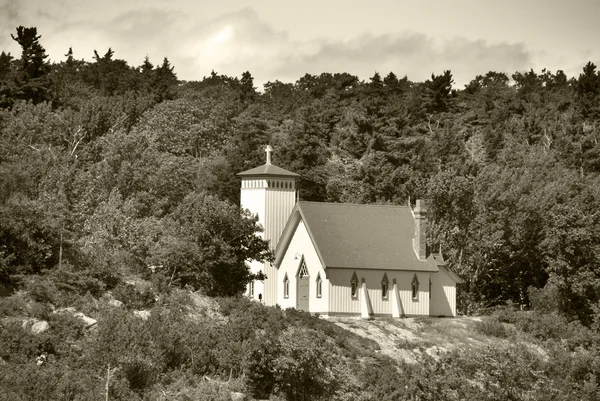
344, 259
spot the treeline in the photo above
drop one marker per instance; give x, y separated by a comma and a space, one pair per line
109, 169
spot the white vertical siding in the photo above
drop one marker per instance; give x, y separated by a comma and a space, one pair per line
341, 301
279, 204
252, 197
300, 247
443, 294
272, 199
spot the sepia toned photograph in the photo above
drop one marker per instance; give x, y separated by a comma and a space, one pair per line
299, 200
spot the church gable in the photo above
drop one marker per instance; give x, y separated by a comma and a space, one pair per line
295, 223
299, 263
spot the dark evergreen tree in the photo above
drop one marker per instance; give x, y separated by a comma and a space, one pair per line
32, 83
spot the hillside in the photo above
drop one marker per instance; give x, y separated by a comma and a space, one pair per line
119, 204
185, 346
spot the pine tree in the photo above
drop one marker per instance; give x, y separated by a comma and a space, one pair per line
33, 71
247, 87
164, 81
33, 57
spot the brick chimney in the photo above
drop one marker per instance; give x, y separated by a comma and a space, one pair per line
420, 238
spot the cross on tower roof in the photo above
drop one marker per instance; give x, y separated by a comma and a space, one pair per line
268, 149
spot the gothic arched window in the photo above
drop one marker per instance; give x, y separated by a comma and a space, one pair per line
319, 286
415, 288
286, 286
384, 286
354, 286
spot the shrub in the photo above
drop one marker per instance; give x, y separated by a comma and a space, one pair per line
134, 297
123, 341
302, 368
65, 330
15, 305
544, 299
42, 289
20, 346
554, 327
492, 327
507, 314
189, 387
258, 364
77, 281
58, 382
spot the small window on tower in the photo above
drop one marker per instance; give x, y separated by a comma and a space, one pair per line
286, 287
319, 286
251, 289
354, 286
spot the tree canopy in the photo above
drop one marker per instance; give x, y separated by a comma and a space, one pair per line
113, 168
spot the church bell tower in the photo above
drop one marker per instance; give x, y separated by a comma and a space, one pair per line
269, 192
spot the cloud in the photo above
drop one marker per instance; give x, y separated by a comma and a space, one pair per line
9, 17
251, 44
239, 41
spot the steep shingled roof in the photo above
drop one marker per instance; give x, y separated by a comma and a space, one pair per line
358, 236
268, 170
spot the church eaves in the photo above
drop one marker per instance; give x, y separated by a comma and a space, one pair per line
267, 170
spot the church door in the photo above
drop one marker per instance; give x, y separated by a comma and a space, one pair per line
303, 287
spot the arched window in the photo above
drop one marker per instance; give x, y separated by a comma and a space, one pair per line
319, 286
286, 286
384, 286
354, 286
415, 288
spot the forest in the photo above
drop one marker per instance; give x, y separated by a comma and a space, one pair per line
110, 171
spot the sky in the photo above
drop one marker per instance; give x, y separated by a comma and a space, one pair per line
283, 40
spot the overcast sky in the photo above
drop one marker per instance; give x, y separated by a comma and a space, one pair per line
278, 39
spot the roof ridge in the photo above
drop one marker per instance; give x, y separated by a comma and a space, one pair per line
352, 204
268, 170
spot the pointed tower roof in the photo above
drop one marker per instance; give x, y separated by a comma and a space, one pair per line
268, 169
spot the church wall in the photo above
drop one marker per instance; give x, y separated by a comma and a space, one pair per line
272, 199
252, 197
443, 294
342, 302
279, 203
302, 246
